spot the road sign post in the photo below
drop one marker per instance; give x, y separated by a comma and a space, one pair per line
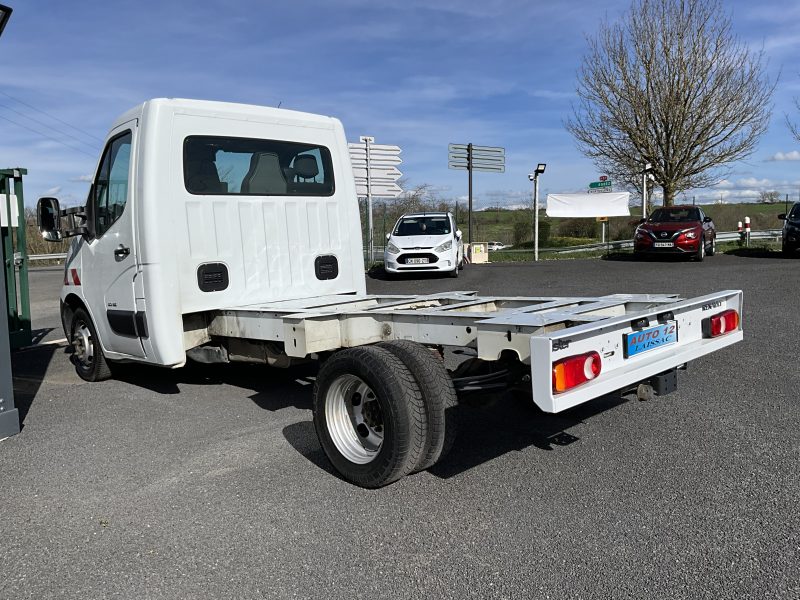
375, 171
471, 158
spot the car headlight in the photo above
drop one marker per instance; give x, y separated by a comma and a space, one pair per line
444, 247
392, 249
690, 235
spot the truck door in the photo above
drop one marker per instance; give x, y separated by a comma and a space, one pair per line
109, 261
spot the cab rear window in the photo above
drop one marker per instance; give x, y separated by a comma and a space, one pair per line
230, 166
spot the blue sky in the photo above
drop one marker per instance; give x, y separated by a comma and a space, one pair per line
419, 74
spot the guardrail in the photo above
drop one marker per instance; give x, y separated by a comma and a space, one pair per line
722, 236
47, 257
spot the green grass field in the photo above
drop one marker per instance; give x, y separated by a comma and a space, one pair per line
508, 226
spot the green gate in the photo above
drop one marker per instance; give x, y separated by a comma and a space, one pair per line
15, 256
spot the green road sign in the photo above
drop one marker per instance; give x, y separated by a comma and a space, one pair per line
599, 184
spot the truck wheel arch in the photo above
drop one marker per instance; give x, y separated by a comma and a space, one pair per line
68, 307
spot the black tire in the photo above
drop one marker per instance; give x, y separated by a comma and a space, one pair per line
87, 354
396, 413
701, 251
439, 395
713, 249
453, 273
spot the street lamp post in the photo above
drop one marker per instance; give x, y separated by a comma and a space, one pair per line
534, 177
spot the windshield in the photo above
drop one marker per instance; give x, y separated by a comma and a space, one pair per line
794, 215
423, 226
674, 215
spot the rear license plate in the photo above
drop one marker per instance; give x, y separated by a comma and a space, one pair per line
663, 244
416, 261
651, 338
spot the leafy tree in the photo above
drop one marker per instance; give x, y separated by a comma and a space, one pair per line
669, 84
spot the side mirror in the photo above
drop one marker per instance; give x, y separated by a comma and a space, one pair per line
458, 234
388, 235
48, 217
706, 219
782, 216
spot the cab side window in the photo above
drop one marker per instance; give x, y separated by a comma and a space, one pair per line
110, 190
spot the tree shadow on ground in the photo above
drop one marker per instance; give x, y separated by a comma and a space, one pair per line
759, 253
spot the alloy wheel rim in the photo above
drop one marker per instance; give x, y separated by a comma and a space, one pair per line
83, 345
354, 419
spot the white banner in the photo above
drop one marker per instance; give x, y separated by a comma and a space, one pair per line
614, 204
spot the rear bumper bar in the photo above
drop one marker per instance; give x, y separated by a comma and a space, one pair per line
607, 338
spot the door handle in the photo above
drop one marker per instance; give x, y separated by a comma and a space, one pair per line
122, 251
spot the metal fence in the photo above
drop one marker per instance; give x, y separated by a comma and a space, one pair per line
722, 236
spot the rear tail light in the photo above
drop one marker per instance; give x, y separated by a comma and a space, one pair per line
575, 370
722, 323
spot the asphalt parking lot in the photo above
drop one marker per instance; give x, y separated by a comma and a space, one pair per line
210, 482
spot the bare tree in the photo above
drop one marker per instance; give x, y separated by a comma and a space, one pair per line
793, 127
670, 85
769, 197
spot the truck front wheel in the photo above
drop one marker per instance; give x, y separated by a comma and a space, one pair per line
369, 416
87, 355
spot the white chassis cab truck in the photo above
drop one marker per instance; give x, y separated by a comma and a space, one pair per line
223, 232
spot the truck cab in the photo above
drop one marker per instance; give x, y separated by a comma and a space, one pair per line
198, 205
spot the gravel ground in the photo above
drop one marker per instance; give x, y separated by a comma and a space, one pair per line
210, 482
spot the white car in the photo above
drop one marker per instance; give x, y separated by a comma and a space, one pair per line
496, 246
424, 242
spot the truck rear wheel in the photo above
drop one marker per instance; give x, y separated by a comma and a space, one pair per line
369, 416
438, 394
87, 355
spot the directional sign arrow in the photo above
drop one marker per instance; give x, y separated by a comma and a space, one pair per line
462, 148
389, 190
376, 148
477, 167
377, 172
374, 161
488, 159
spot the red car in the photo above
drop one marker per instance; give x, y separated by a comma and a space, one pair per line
676, 230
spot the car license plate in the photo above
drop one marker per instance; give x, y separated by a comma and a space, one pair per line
651, 338
416, 261
663, 244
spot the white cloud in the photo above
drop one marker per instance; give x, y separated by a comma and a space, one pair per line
793, 155
53, 191
751, 182
552, 95
79, 178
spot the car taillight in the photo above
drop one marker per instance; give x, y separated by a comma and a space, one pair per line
721, 323
575, 370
